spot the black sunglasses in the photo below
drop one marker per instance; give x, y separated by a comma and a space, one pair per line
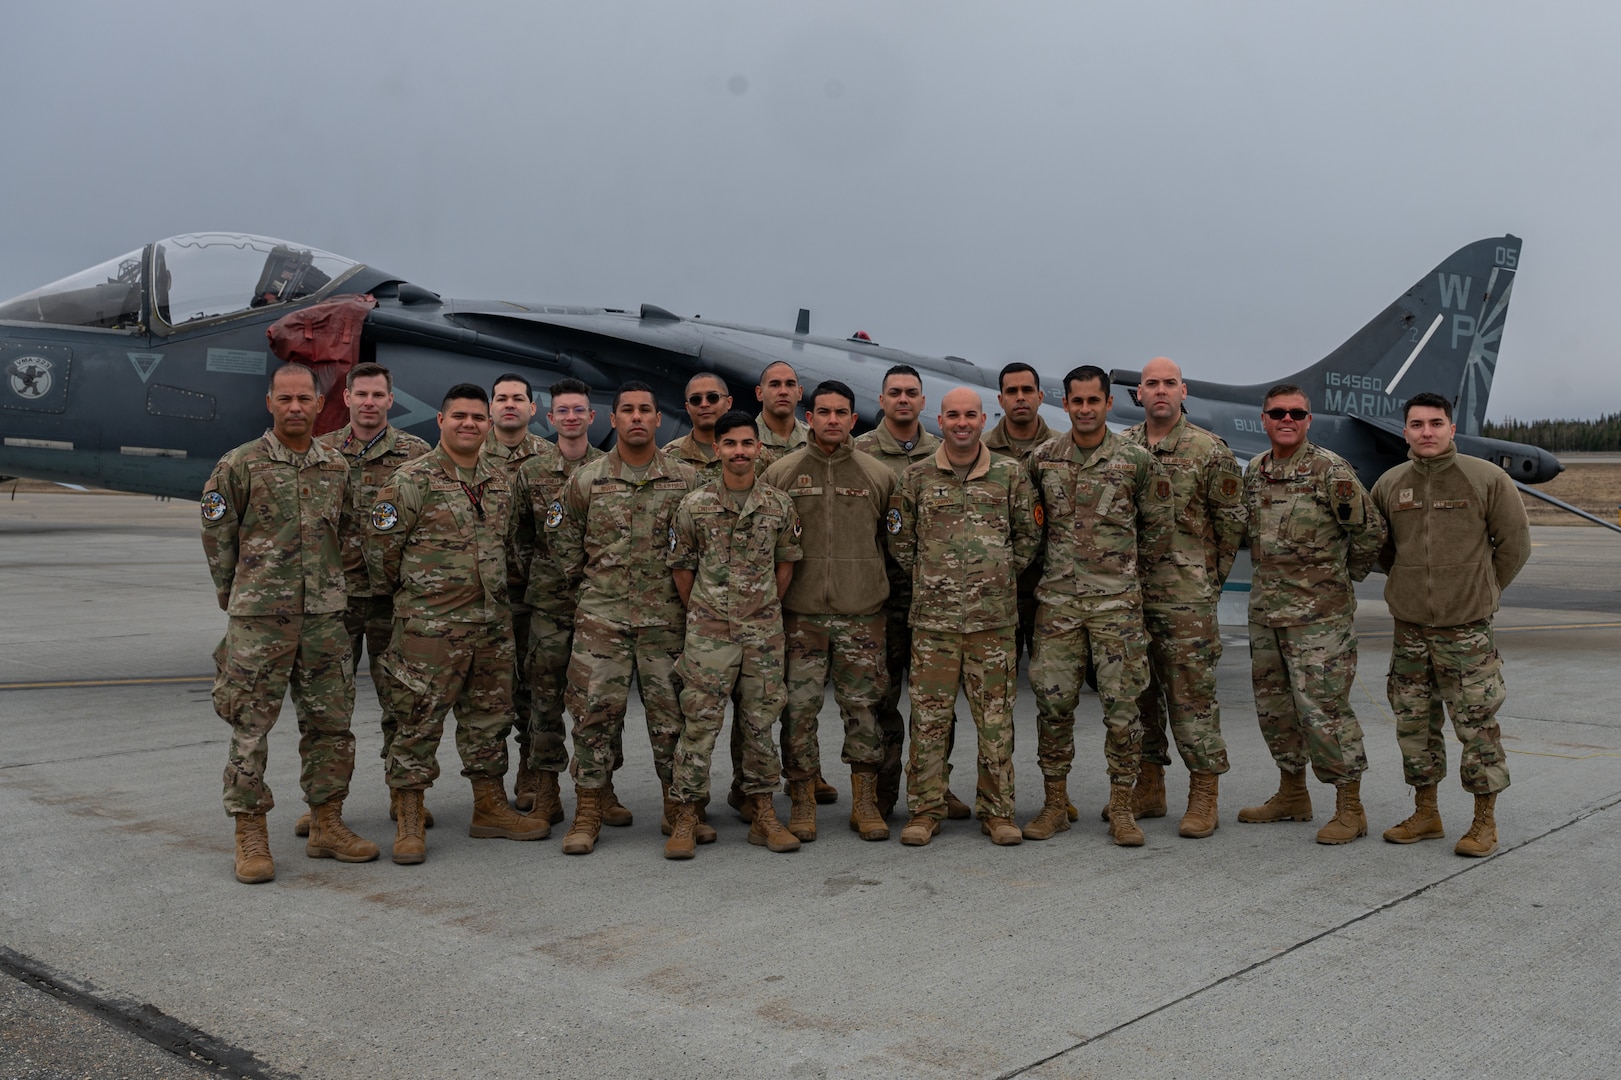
704, 399
1293, 414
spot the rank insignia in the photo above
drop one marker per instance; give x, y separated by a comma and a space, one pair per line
213, 506
803, 480
384, 516
892, 522
1405, 495
554, 514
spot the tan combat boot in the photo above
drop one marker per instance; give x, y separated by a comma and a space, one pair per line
1123, 828
681, 819
1292, 802
301, 827
1201, 819
410, 819
1002, 831
548, 800
394, 803
702, 831
614, 812
826, 793
582, 835
864, 816
525, 788
253, 861
1481, 839
1054, 815
764, 828
737, 800
494, 819
1148, 796
1349, 820
1425, 822
956, 809
919, 830
802, 809
330, 838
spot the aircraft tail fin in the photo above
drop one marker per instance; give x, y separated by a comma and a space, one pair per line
1441, 335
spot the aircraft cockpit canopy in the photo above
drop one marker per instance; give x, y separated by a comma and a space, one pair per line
194, 277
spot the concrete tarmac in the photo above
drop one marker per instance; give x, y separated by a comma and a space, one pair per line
1255, 952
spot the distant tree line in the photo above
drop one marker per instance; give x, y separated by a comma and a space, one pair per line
1560, 436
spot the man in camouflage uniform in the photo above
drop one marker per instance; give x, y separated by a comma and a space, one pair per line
1019, 432
781, 431
270, 530
539, 492
732, 555
1180, 594
707, 400
1106, 507
1458, 536
897, 441
441, 530
1313, 531
609, 535
963, 525
835, 609
373, 448
508, 447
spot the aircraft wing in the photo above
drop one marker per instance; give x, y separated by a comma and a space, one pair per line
1563, 505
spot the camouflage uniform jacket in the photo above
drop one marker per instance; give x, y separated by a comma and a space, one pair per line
700, 455
370, 465
270, 529
441, 547
1458, 536
964, 541
886, 449
773, 447
611, 536
733, 554
999, 442
1105, 511
509, 459
537, 498
841, 499
1313, 530
1207, 493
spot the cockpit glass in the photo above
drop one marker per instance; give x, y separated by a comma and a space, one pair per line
209, 275
107, 296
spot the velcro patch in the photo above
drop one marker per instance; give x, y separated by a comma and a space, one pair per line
384, 516
892, 522
213, 506
554, 514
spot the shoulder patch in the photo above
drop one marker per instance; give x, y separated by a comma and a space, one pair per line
1162, 489
1229, 486
554, 514
384, 516
1344, 490
213, 506
797, 527
892, 522
1041, 516
672, 537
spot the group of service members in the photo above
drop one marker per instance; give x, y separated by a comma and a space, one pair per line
756, 559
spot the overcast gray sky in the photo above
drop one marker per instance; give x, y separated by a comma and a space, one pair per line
1237, 185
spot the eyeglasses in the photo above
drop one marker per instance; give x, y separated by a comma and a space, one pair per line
1292, 414
571, 410
709, 398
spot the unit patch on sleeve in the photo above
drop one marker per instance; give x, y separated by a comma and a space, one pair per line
384, 516
213, 506
892, 522
554, 514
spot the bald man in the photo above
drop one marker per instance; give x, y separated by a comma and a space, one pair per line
1181, 586
962, 524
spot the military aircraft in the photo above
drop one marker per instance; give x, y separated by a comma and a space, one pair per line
139, 373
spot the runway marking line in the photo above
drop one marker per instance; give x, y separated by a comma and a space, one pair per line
73, 683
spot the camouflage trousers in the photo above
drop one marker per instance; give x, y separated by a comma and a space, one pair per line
1184, 647
600, 667
260, 658
897, 662
1027, 622
985, 664
551, 641
710, 670
1110, 631
850, 650
1302, 677
369, 622
432, 666
1458, 665
522, 706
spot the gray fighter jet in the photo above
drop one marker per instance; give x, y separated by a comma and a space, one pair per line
137, 374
